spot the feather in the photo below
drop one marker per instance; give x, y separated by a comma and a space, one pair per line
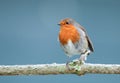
90, 45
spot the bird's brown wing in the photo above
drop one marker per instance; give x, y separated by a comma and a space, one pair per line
90, 45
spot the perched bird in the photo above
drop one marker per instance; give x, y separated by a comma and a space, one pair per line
74, 40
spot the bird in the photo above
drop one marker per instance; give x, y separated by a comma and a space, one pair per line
74, 39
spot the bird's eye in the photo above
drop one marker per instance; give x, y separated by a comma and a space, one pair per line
67, 22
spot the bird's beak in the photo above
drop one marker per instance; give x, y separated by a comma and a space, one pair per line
58, 24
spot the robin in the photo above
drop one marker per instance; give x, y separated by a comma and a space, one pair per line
74, 40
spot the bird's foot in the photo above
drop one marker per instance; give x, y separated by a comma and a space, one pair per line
74, 64
68, 66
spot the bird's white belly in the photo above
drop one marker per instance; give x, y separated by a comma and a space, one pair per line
72, 49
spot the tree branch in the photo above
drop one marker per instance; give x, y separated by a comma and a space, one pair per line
46, 69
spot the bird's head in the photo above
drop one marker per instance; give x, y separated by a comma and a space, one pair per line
66, 22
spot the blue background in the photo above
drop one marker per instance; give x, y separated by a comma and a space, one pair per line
29, 31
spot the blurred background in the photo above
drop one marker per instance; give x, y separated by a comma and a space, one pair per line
29, 31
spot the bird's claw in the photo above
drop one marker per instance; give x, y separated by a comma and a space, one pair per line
67, 66
72, 65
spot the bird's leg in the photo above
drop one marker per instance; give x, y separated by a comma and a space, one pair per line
83, 57
67, 64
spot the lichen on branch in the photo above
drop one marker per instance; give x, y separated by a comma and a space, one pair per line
46, 69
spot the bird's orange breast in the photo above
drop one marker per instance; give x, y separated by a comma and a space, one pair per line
68, 32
